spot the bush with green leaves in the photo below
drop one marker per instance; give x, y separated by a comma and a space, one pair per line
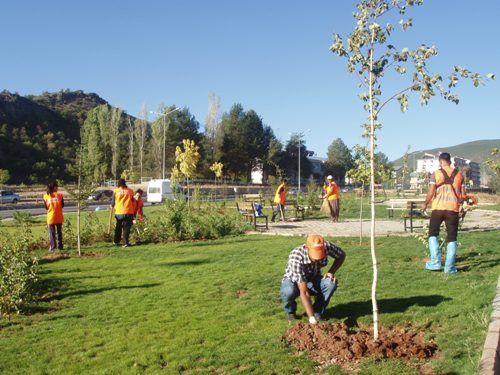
18, 273
178, 222
21, 217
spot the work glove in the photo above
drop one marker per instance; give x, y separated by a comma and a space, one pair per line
312, 320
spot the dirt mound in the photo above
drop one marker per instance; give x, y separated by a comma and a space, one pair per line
337, 344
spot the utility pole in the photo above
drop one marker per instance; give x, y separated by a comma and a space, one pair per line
164, 115
299, 135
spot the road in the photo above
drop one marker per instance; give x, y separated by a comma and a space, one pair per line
6, 213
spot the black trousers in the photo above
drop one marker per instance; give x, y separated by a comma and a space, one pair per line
450, 219
123, 223
55, 236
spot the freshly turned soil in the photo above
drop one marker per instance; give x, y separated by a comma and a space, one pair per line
328, 343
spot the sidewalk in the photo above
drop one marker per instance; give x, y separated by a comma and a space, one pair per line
477, 220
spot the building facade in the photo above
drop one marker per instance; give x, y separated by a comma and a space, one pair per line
429, 163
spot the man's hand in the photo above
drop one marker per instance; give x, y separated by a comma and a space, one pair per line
330, 276
313, 320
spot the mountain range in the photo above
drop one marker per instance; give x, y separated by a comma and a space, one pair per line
478, 151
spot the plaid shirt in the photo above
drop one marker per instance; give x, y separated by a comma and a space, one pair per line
301, 268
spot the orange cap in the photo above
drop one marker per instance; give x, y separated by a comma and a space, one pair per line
316, 246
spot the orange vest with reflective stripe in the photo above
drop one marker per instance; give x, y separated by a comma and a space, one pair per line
53, 202
280, 196
332, 189
124, 201
445, 198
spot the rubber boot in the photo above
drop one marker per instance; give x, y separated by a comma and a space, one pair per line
451, 254
435, 263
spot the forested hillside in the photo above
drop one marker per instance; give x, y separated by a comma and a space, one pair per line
38, 134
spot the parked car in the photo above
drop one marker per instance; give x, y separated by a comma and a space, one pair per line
101, 195
346, 189
8, 196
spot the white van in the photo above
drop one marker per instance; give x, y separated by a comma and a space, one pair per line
159, 191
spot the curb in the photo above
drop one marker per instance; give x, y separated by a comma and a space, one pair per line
490, 360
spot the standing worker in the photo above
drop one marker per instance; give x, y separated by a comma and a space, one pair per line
279, 200
303, 277
332, 195
139, 204
54, 204
124, 204
446, 192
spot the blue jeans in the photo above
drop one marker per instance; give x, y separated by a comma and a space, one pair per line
277, 211
322, 288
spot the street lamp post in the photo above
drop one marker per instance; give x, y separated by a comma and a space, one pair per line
299, 136
164, 115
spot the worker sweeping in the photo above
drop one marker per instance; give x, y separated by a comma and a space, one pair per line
54, 204
124, 204
303, 277
279, 200
446, 191
332, 195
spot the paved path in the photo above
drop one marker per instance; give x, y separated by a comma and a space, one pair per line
475, 220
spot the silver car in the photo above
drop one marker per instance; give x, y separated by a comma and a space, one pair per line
8, 196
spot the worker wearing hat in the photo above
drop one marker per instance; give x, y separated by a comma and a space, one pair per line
332, 195
303, 277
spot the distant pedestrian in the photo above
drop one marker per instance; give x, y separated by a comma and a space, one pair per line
332, 195
124, 204
54, 204
139, 204
279, 200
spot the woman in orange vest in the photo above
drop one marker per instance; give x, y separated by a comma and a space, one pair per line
54, 203
124, 204
333, 197
446, 191
139, 204
279, 200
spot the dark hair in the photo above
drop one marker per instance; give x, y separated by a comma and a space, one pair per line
122, 183
139, 191
51, 187
284, 180
445, 156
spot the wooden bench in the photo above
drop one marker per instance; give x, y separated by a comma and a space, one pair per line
253, 198
413, 211
396, 204
247, 210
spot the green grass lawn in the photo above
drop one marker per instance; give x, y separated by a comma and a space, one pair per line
490, 207
214, 307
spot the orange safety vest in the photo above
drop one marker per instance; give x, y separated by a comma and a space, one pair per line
448, 193
280, 196
53, 202
332, 191
124, 201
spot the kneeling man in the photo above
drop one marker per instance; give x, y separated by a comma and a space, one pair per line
303, 277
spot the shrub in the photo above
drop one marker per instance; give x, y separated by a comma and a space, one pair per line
18, 269
177, 222
21, 217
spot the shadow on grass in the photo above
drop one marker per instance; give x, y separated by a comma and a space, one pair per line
352, 311
222, 241
193, 262
475, 260
99, 290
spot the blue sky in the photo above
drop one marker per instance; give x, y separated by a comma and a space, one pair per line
271, 56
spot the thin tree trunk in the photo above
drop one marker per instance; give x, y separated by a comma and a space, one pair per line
361, 214
79, 196
372, 201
